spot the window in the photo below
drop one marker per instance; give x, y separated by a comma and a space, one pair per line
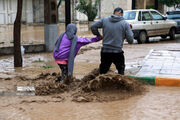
129, 15
139, 16
156, 16
146, 16
173, 15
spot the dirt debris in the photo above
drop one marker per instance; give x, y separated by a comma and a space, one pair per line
91, 88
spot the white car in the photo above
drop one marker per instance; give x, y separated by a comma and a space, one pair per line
147, 23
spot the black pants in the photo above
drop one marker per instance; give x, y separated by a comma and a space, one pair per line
108, 58
64, 71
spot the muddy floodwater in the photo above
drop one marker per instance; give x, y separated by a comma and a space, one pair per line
156, 103
160, 103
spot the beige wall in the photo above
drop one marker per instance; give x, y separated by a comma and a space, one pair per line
150, 2
108, 6
141, 4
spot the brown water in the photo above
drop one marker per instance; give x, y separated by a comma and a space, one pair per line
159, 103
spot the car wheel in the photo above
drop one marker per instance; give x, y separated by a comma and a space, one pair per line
172, 34
143, 38
163, 36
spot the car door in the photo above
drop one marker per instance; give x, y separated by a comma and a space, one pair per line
147, 23
162, 28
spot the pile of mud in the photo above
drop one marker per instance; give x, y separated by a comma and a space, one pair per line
93, 87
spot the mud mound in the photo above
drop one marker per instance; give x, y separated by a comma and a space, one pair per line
93, 87
51, 87
90, 76
113, 82
48, 84
108, 87
42, 76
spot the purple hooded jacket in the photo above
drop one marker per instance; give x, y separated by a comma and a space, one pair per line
65, 46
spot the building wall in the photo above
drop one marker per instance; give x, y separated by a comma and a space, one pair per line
108, 6
27, 13
61, 11
38, 11
8, 10
140, 4
150, 2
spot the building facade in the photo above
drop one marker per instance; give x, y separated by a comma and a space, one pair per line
8, 9
107, 6
33, 10
147, 4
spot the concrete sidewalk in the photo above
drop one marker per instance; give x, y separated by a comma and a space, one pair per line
161, 68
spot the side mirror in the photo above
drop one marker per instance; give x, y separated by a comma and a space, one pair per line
165, 18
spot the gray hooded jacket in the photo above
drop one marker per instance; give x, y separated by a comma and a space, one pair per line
115, 30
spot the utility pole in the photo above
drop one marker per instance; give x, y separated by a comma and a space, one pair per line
17, 36
68, 11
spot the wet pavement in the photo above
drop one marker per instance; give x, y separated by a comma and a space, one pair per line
161, 63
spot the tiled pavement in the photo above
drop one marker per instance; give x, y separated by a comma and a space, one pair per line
161, 63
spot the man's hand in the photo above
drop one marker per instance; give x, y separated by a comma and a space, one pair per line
101, 37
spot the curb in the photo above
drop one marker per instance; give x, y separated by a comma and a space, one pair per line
159, 81
36, 48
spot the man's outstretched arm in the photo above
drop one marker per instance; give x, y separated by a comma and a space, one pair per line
95, 26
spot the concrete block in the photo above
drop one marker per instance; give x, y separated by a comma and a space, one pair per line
28, 49
50, 36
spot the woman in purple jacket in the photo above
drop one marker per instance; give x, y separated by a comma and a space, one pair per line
66, 48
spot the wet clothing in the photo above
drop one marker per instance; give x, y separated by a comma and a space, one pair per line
108, 58
71, 35
64, 48
63, 62
67, 46
115, 30
64, 71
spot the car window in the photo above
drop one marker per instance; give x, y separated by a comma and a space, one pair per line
139, 16
173, 15
156, 16
129, 15
146, 16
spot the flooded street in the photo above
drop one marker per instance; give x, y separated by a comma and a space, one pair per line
158, 103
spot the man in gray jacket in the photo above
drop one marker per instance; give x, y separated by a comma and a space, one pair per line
115, 30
